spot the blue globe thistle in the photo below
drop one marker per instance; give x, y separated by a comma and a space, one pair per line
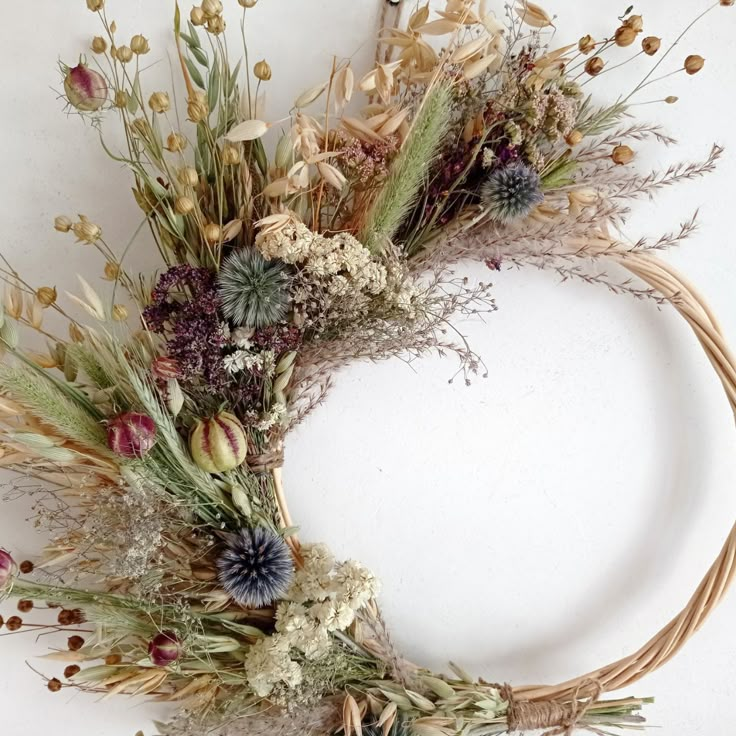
255, 567
511, 192
253, 290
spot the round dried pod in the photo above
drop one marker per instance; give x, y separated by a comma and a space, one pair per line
26, 567
635, 22
694, 63
586, 44
159, 102
184, 205
218, 444
74, 643
197, 108
71, 617
54, 685
176, 142
211, 8
46, 295
95, 5
188, 177
63, 224
650, 45
727, 3
139, 44
594, 66
197, 16
212, 233
124, 54
216, 25
573, 138
14, 623
112, 659
625, 36
122, 98
99, 45
248, 3
671, 99
262, 70
86, 231
622, 155
25, 606
131, 435
71, 670
230, 155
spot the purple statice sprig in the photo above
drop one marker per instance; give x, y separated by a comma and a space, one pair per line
184, 309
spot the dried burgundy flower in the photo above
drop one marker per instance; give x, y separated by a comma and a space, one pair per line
7, 566
26, 567
131, 435
71, 670
74, 643
71, 617
85, 88
164, 649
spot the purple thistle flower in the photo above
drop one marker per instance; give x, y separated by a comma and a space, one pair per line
255, 567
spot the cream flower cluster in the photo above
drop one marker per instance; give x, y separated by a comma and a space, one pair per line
324, 598
337, 276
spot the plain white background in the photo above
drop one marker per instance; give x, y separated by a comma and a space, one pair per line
536, 525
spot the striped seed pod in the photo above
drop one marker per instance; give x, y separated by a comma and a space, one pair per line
218, 444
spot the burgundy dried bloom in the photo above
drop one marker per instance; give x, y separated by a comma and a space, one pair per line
74, 643
26, 567
7, 566
131, 435
164, 649
71, 670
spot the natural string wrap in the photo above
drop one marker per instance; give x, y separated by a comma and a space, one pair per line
562, 717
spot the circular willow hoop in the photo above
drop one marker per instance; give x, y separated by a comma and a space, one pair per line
542, 706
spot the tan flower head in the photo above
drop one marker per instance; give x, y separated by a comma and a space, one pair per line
197, 108
231, 155
86, 231
159, 102
99, 45
139, 44
112, 271
46, 296
63, 224
671, 99
650, 45
573, 138
184, 205
197, 16
262, 70
635, 22
216, 25
213, 233
594, 66
212, 8
586, 44
625, 36
188, 177
176, 142
95, 5
122, 98
248, 3
119, 313
622, 155
124, 54
694, 63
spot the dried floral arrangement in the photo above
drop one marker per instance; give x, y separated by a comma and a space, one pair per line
153, 441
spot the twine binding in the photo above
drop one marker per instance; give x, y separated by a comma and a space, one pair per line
266, 461
562, 718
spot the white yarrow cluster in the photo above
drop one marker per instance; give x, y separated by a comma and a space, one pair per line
324, 598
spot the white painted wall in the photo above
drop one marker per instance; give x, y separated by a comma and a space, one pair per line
533, 526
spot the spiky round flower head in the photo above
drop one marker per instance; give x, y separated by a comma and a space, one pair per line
254, 291
512, 192
255, 567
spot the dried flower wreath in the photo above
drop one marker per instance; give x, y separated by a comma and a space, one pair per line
289, 249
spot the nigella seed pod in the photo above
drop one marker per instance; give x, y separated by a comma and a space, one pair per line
131, 435
218, 444
86, 89
164, 649
7, 567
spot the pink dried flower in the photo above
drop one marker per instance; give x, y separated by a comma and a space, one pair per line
131, 435
85, 88
7, 567
164, 649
